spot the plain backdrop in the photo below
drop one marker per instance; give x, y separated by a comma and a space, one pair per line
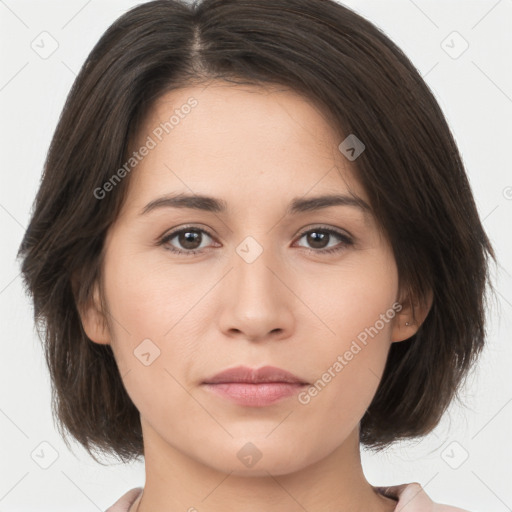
462, 49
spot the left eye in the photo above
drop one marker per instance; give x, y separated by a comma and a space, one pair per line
190, 240
320, 235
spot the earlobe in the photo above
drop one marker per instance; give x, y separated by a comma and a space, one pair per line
93, 319
410, 318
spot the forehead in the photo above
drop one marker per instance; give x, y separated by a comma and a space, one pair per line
235, 117
222, 139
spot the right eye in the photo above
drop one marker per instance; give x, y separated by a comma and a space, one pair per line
187, 237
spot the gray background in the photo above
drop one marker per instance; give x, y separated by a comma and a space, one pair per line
465, 461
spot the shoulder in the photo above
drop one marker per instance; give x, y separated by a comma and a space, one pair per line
124, 503
414, 496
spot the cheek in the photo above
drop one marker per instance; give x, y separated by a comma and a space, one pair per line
156, 312
145, 296
348, 374
356, 298
144, 306
142, 309
358, 309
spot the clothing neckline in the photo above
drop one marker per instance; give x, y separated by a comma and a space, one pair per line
384, 491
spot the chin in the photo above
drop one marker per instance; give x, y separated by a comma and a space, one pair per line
262, 458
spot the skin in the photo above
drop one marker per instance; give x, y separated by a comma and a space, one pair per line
257, 149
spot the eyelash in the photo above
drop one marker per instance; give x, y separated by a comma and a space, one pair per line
346, 240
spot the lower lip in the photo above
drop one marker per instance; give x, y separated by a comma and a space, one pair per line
255, 395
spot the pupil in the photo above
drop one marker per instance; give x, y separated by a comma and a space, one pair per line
315, 236
189, 237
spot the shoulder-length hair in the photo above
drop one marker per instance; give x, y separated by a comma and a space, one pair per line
411, 170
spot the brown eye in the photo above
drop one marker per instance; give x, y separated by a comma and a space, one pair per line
188, 240
319, 238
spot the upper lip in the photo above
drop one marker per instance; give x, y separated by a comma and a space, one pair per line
254, 376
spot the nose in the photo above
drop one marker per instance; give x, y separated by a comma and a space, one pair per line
256, 301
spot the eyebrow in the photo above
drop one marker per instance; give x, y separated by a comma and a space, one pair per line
215, 205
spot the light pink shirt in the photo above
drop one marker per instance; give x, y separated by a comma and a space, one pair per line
410, 498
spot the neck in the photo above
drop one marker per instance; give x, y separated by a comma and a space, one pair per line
334, 483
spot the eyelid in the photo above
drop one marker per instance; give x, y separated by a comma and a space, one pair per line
168, 235
338, 231
307, 229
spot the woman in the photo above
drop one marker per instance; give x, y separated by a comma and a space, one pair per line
254, 249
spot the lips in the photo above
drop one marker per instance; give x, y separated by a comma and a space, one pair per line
244, 374
249, 387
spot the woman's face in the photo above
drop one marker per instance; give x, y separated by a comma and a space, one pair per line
261, 288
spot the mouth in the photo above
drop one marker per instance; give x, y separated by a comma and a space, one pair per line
257, 388
244, 374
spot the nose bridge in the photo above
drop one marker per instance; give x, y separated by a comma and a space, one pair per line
253, 263
256, 304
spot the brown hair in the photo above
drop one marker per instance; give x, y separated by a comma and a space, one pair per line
411, 170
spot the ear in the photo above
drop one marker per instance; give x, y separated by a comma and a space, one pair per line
92, 317
411, 316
